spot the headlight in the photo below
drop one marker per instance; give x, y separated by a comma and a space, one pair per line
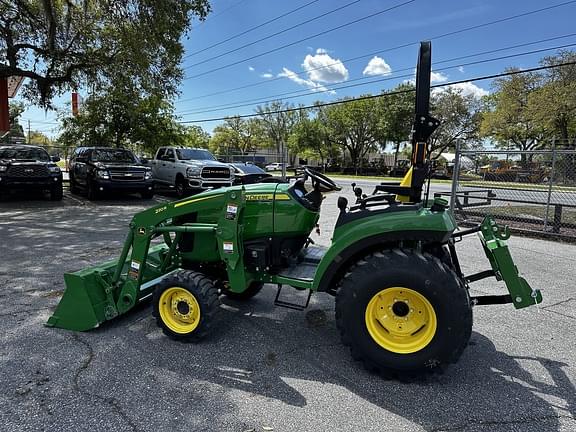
193, 171
148, 175
3, 168
54, 169
102, 174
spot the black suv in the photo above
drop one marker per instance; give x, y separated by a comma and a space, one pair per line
26, 167
104, 169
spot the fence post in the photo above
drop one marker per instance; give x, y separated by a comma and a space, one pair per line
455, 176
550, 182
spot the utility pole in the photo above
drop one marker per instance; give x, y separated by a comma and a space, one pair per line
28, 131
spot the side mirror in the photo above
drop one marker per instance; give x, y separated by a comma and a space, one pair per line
143, 161
55, 159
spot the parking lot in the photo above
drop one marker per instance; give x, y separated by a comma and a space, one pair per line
264, 367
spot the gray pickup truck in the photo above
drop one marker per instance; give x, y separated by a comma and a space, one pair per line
189, 170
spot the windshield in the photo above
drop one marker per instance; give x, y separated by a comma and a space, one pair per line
193, 154
24, 153
112, 155
249, 169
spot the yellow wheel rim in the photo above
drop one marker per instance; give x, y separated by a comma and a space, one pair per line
179, 310
401, 320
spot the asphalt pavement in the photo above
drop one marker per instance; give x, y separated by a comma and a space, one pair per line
263, 368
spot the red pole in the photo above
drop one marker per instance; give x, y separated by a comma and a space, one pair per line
74, 104
4, 113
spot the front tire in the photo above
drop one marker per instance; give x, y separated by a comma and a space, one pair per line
185, 304
403, 314
147, 194
91, 191
181, 189
56, 192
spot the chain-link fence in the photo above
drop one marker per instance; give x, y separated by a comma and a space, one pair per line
531, 191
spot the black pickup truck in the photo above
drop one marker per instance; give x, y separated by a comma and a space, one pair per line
26, 167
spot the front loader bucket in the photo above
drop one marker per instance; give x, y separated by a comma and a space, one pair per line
87, 300
91, 297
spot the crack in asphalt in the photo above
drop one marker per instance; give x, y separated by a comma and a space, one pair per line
111, 401
494, 422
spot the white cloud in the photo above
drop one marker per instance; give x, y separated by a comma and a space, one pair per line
461, 69
266, 75
467, 89
377, 66
251, 69
323, 68
438, 77
314, 86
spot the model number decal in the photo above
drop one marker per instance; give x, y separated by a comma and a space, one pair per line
160, 210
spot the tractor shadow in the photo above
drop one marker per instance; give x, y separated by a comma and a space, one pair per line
297, 358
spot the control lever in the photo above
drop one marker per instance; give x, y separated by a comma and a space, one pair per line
358, 193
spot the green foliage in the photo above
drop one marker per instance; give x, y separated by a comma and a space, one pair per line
123, 117
509, 118
553, 105
397, 107
63, 45
355, 127
237, 135
38, 138
310, 139
276, 123
460, 116
195, 137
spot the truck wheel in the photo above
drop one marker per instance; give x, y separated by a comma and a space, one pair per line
185, 304
56, 192
73, 186
180, 187
250, 292
147, 194
91, 191
403, 314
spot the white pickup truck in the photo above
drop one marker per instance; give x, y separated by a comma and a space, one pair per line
189, 169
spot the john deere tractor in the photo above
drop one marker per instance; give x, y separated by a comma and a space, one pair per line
402, 301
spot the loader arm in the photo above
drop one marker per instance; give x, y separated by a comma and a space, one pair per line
100, 293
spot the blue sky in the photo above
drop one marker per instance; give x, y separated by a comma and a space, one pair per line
319, 67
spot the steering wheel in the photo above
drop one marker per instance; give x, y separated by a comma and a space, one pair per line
324, 182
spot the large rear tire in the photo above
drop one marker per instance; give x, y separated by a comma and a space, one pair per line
403, 314
184, 305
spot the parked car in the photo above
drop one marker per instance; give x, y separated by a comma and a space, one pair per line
26, 167
276, 166
98, 170
247, 173
190, 170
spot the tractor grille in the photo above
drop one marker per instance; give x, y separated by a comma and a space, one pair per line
27, 171
215, 173
127, 175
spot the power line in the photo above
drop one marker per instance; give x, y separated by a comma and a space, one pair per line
251, 29
323, 104
452, 33
356, 21
209, 59
297, 94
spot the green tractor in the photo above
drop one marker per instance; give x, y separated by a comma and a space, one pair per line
402, 302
